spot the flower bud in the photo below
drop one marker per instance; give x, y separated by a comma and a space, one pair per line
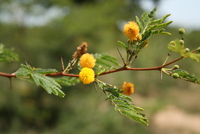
181, 31
175, 75
181, 42
176, 67
139, 37
173, 43
187, 50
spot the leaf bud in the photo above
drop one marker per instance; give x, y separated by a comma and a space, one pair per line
187, 50
172, 42
181, 31
175, 75
181, 42
176, 67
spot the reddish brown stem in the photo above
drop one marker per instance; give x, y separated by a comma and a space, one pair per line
142, 69
108, 72
62, 74
52, 74
7, 75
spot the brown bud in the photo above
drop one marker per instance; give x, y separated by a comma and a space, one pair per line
80, 50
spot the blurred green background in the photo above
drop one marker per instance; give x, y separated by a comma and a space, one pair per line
41, 31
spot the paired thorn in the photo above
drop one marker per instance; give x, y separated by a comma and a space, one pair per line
121, 57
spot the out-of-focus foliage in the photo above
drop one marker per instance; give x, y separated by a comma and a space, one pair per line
7, 55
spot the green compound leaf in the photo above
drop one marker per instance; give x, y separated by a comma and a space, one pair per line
158, 31
178, 46
49, 84
145, 19
110, 59
122, 44
123, 104
134, 115
7, 55
148, 26
165, 33
113, 91
160, 20
37, 76
24, 72
152, 13
128, 109
162, 25
181, 74
193, 56
45, 71
139, 23
67, 81
104, 63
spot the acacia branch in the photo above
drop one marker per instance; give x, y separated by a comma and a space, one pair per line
52, 74
62, 74
142, 69
104, 73
7, 75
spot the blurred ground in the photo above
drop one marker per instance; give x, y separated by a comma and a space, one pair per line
173, 120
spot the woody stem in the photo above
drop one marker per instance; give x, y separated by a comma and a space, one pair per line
108, 72
142, 69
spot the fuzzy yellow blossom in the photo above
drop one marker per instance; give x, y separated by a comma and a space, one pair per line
127, 88
86, 75
87, 60
131, 30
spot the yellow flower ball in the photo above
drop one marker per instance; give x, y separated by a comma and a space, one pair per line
86, 75
127, 88
131, 30
87, 60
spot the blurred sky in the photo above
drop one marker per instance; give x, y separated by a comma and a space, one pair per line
184, 13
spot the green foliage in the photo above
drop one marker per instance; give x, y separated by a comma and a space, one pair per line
105, 62
123, 104
37, 76
123, 45
67, 81
7, 55
148, 26
178, 46
181, 74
